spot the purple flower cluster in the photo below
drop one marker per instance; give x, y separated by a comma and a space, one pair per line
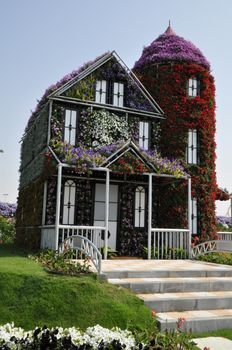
165, 165
168, 48
224, 220
7, 210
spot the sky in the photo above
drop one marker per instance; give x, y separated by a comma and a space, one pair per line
41, 41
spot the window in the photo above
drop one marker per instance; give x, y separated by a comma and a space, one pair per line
139, 207
100, 91
69, 202
192, 147
70, 126
118, 93
109, 92
194, 216
193, 87
144, 135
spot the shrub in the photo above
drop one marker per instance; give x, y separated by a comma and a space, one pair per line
61, 262
7, 230
217, 258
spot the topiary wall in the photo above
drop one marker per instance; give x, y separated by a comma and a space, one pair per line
29, 215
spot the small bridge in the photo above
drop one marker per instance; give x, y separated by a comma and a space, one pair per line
82, 247
223, 244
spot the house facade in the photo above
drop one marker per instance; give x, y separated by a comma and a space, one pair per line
96, 159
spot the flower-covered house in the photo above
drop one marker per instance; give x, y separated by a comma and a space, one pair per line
90, 162
100, 159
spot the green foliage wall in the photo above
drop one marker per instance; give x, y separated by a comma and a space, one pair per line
29, 215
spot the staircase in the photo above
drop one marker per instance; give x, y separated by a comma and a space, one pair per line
197, 291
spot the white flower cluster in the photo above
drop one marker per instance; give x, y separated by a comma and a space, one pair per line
93, 336
108, 128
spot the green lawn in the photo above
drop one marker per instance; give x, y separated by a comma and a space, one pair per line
29, 296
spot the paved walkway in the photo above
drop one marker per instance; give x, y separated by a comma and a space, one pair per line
172, 265
214, 343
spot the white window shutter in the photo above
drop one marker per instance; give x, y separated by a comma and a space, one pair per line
139, 215
192, 148
194, 216
70, 126
69, 202
144, 135
100, 96
118, 94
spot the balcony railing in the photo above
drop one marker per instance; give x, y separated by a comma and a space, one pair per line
170, 243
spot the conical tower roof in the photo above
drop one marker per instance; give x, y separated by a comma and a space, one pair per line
170, 47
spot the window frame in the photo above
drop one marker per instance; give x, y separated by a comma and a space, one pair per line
145, 137
192, 149
70, 127
193, 87
109, 93
137, 209
101, 92
118, 96
70, 185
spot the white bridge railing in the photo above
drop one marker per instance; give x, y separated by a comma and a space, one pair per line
216, 246
170, 243
81, 245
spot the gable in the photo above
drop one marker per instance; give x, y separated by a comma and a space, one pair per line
115, 76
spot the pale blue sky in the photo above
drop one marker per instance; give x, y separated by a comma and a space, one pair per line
40, 41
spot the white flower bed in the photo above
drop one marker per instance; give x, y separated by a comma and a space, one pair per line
94, 337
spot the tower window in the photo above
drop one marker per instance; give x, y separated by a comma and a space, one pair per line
139, 207
144, 135
193, 87
192, 148
70, 126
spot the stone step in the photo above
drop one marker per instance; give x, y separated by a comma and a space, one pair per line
171, 284
162, 269
166, 302
197, 321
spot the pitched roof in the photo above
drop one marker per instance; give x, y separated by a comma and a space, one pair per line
70, 79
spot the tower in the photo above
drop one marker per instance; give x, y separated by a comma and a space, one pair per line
178, 77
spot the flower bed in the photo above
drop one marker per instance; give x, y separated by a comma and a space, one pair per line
95, 337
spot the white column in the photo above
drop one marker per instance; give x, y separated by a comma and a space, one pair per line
58, 198
149, 215
190, 213
44, 202
107, 212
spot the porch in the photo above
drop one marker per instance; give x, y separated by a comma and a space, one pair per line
108, 187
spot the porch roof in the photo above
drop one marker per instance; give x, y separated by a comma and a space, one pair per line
137, 160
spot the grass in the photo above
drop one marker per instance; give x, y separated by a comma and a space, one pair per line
29, 296
225, 333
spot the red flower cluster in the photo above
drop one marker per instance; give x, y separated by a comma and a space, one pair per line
168, 84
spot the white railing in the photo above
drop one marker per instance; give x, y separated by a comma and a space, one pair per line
170, 243
215, 246
225, 236
95, 234
81, 245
